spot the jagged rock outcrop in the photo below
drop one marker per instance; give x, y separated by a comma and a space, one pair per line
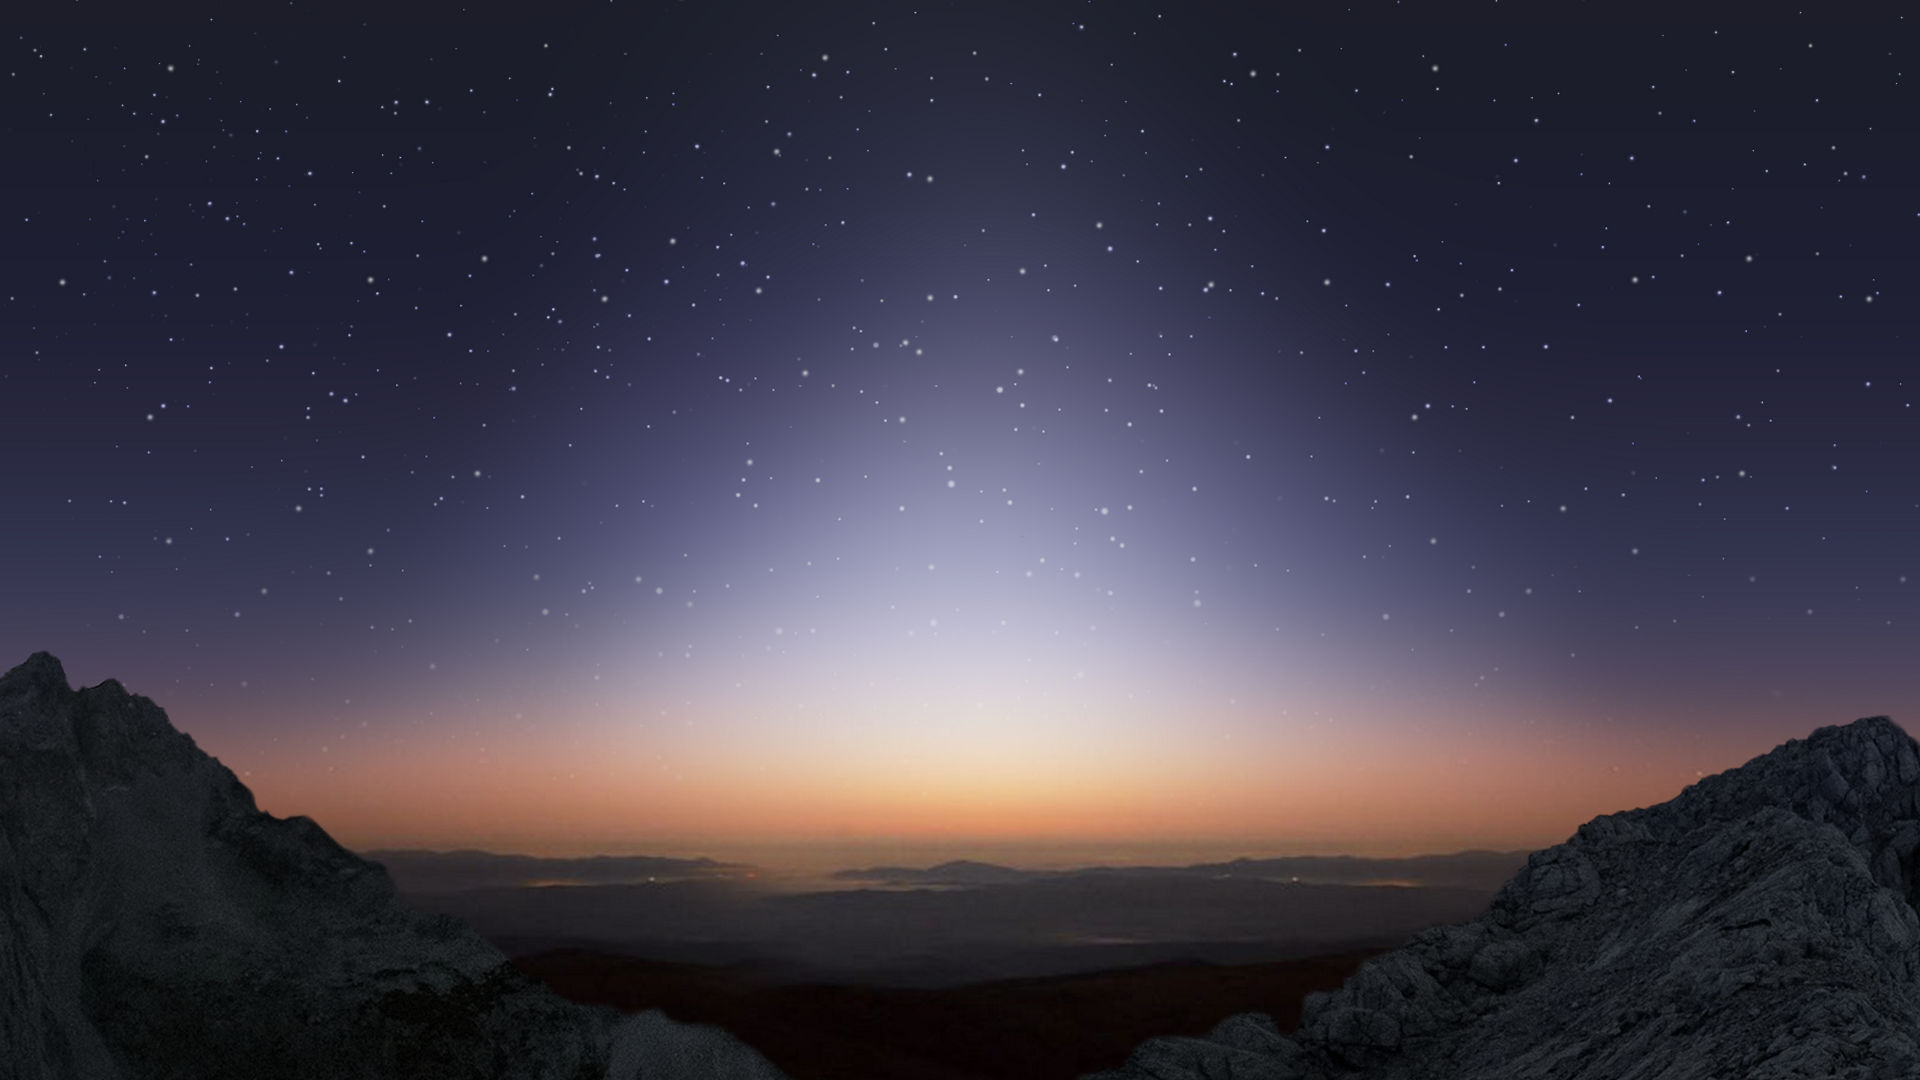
155, 924
1760, 925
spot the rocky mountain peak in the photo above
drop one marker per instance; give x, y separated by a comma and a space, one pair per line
1760, 924
155, 923
1863, 779
1846, 768
42, 669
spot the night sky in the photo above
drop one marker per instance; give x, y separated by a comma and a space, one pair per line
1038, 430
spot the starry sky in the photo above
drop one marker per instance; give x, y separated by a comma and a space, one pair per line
1043, 430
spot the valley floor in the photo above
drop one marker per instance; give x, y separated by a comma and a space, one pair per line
1053, 1028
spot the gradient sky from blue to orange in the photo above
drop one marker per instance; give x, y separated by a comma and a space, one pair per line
1097, 431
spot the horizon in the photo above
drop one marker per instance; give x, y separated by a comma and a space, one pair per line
1052, 861
1388, 836
821, 868
994, 428
799, 859
808, 858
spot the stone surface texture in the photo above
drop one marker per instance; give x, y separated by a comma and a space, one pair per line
1760, 925
155, 924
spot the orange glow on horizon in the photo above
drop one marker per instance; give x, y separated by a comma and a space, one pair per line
1321, 791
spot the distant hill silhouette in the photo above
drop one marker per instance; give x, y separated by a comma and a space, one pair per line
1461, 870
452, 871
957, 872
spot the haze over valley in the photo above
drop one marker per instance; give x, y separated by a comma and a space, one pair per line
952, 924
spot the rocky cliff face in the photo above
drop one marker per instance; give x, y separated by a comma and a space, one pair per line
154, 923
1760, 925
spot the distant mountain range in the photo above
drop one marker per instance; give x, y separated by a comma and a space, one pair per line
421, 871
451, 871
906, 927
1460, 870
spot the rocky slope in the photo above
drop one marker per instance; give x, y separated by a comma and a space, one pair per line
1759, 925
155, 924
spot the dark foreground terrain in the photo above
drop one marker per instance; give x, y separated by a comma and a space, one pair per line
156, 925
1053, 1028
